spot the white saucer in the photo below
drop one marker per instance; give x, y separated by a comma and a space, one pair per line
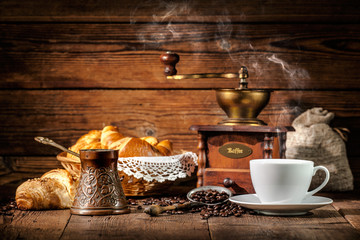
251, 201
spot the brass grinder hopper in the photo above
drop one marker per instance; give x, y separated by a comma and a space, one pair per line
241, 105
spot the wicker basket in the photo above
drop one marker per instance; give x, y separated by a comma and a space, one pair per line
70, 164
131, 185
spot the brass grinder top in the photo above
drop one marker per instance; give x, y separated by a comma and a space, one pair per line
241, 105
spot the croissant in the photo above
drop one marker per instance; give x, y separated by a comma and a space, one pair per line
90, 137
109, 135
135, 147
91, 140
65, 178
54, 190
164, 147
152, 140
110, 138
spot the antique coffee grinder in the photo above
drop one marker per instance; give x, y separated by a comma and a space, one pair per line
225, 149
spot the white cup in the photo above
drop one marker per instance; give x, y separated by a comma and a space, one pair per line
284, 180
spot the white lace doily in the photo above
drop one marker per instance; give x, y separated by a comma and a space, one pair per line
159, 168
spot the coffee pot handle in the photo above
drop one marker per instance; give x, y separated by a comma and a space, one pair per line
327, 177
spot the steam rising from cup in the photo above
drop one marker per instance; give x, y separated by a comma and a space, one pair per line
295, 75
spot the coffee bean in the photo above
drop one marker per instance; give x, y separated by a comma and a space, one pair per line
8, 213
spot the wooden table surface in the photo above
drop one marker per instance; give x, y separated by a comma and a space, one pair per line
340, 220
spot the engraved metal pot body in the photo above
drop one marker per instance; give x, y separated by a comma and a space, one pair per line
99, 191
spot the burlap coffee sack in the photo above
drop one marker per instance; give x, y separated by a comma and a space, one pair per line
315, 140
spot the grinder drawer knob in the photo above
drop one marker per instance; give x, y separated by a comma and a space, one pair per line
228, 182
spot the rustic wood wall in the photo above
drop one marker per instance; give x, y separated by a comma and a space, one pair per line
67, 67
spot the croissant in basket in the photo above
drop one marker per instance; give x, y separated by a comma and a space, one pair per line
110, 138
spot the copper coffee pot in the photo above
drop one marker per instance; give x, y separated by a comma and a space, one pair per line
241, 105
99, 191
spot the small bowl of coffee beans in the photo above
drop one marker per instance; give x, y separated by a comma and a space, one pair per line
209, 195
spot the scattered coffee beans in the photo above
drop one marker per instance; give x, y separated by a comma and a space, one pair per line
8, 209
164, 201
221, 210
225, 209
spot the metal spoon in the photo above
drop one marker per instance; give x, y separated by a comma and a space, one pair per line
50, 142
155, 210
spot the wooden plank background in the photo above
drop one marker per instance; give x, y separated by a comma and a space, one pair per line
71, 66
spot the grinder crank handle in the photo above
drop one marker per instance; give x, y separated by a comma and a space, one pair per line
156, 210
170, 59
